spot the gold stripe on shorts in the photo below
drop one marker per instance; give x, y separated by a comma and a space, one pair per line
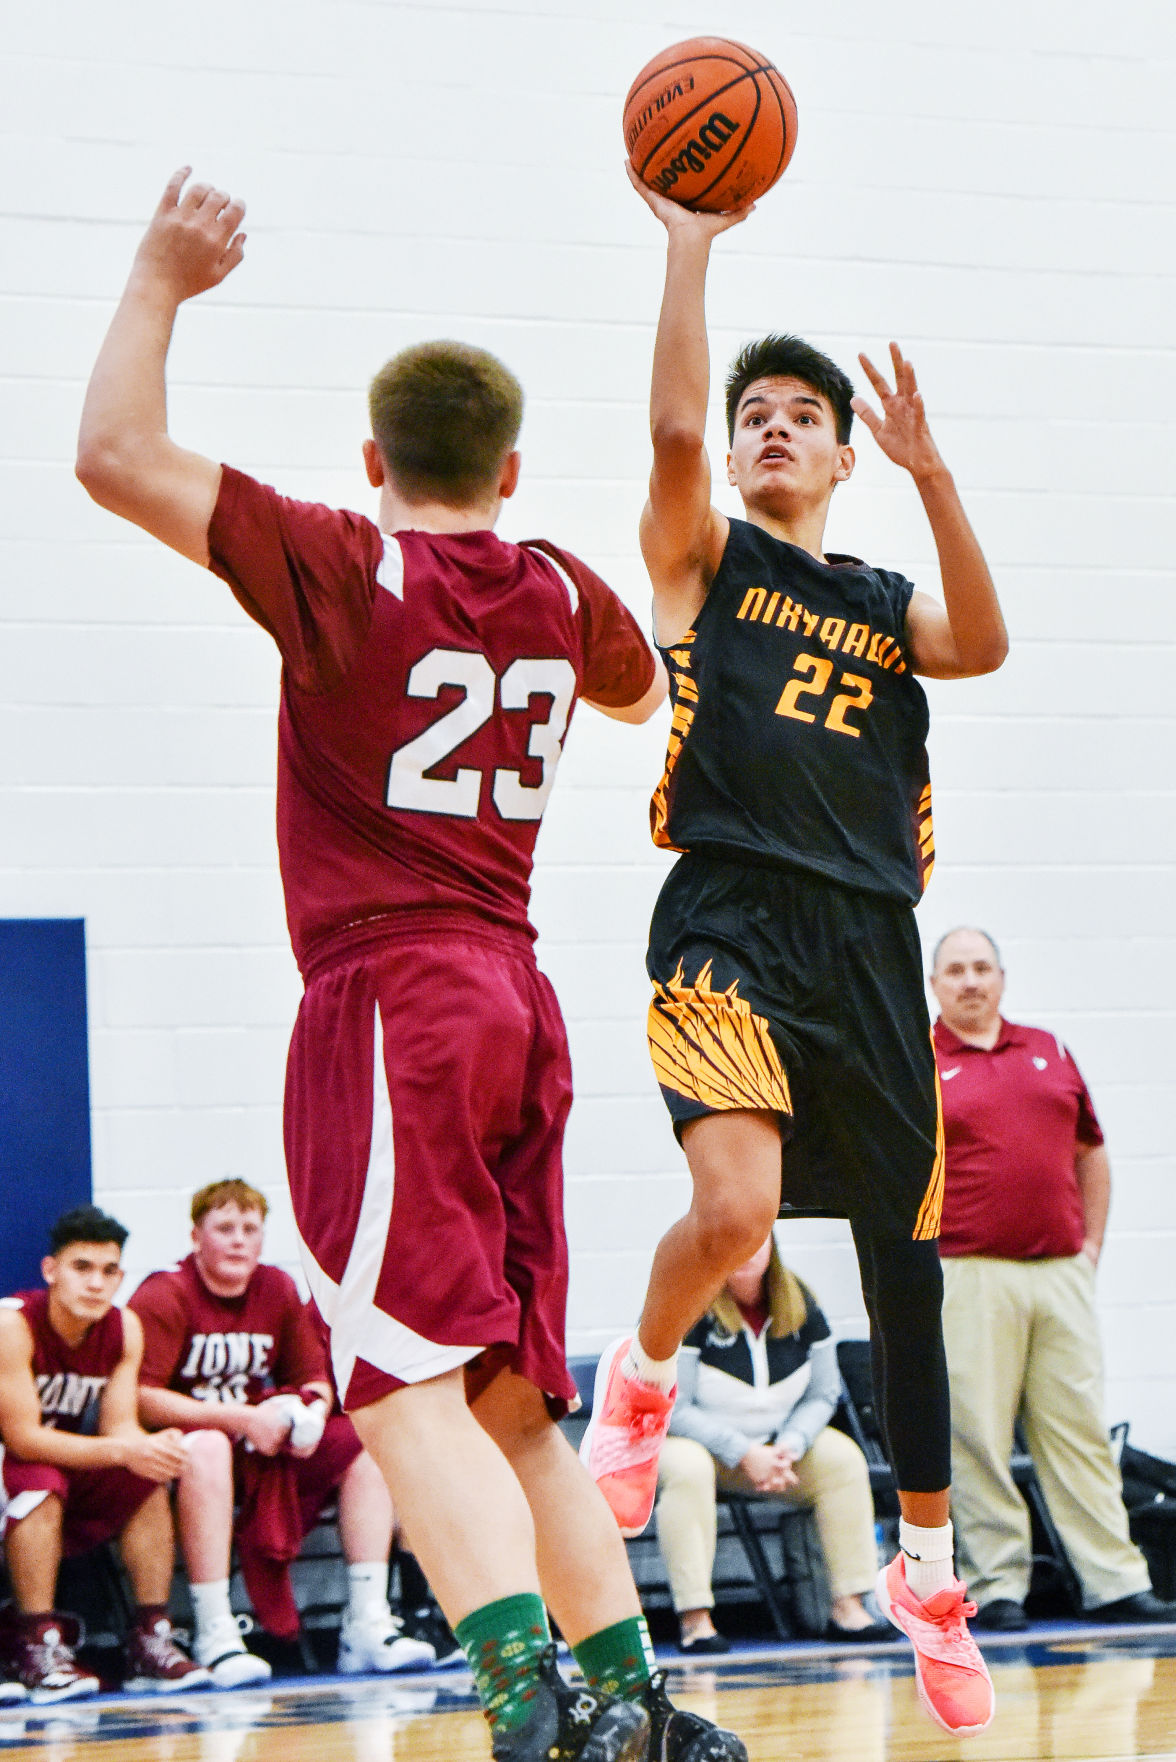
709, 1046
927, 1223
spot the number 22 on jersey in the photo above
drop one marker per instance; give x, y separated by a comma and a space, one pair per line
470, 672
818, 672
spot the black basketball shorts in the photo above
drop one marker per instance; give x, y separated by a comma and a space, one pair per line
777, 989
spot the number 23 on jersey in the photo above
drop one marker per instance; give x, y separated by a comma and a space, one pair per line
471, 673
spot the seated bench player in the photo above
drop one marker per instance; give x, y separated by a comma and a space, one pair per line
79, 1470
232, 1359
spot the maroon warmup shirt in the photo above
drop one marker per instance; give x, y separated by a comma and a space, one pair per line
427, 685
1013, 1118
71, 1380
226, 1348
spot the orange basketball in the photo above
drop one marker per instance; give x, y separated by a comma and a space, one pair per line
710, 123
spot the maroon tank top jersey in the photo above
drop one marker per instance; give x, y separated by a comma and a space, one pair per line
70, 1380
427, 685
226, 1348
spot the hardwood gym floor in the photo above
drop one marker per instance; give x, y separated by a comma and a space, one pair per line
1068, 1693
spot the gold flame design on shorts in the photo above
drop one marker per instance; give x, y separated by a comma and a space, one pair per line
710, 1046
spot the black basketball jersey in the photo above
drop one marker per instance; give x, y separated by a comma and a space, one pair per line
799, 731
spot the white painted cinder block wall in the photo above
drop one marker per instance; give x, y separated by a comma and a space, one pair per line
993, 186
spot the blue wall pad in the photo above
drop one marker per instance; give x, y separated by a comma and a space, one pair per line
44, 1087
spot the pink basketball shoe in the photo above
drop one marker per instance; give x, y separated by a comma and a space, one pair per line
952, 1678
624, 1439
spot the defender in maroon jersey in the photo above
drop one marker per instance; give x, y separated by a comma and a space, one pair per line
429, 672
231, 1357
78, 1469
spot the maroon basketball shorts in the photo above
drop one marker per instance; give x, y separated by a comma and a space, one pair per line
426, 1093
99, 1502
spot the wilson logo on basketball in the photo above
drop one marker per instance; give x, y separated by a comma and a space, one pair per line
709, 123
676, 89
714, 134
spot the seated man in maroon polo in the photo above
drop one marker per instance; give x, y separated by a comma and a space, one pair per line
79, 1470
231, 1359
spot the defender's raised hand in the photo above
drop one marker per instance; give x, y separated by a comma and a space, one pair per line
193, 240
675, 218
901, 430
127, 460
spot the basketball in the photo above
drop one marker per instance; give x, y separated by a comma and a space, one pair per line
710, 123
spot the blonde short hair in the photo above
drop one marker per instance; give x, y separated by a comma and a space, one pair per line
445, 416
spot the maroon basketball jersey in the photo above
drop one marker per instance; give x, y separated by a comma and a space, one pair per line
427, 685
226, 1348
71, 1380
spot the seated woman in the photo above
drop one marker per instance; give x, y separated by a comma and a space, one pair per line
757, 1386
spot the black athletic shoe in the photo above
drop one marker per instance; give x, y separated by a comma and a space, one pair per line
575, 1725
1143, 1607
871, 1634
1004, 1615
705, 1646
427, 1623
676, 1736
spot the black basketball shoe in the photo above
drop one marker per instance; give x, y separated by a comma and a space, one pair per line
427, 1623
677, 1736
575, 1725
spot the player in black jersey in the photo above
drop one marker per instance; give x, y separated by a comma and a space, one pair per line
788, 1003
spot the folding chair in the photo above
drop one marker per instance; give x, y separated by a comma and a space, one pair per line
858, 1417
862, 1423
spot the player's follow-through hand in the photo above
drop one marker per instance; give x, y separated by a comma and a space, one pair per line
193, 240
674, 217
902, 430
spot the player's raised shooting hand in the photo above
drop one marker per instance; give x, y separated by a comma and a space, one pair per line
675, 218
901, 430
193, 240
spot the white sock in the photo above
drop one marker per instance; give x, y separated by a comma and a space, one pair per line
927, 1558
367, 1590
661, 1372
210, 1603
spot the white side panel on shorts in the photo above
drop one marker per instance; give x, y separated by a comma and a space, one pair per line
358, 1328
14, 1509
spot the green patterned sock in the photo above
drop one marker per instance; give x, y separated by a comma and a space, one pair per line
504, 1642
619, 1659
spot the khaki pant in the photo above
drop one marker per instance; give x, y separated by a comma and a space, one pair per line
1022, 1340
834, 1482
